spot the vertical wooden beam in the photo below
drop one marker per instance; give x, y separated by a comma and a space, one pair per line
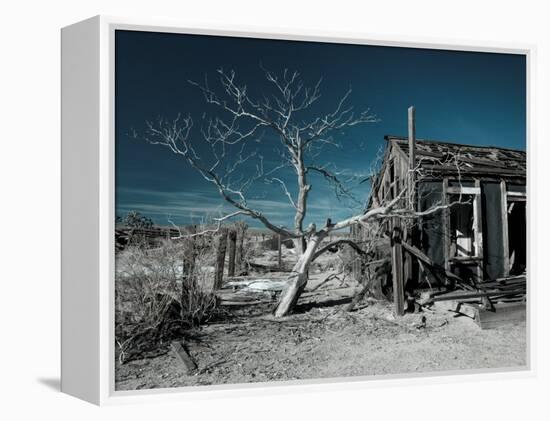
358, 259
445, 216
280, 254
411, 191
505, 238
353, 236
397, 273
478, 232
412, 158
220, 258
189, 257
241, 236
232, 236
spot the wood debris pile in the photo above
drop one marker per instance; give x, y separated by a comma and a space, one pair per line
489, 303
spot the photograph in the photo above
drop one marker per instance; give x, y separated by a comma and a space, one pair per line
299, 210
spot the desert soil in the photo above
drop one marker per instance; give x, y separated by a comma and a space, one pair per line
327, 342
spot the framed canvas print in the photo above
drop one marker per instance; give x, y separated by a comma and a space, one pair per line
248, 209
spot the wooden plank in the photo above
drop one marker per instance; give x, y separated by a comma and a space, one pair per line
459, 295
463, 190
242, 229
502, 315
407, 266
421, 256
183, 355
517, 199
279, 252
397, 274
220, 258
446, 225
504, 215
516, 194
453, 170
486, 163
412, 158
399, 151
232, 237
411, 191
465, 259
511, 278
478, 232
501, 284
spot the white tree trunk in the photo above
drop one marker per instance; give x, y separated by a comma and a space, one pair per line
299, 276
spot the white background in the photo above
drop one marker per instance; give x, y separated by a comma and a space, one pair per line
30, 180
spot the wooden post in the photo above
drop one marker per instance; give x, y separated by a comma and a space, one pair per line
183, 355
241, 235
190, 256
397, 273
412, 158
411, 192
232, 251
220, 258
445, 216
356, 261
478, 231
505, 238
280, 256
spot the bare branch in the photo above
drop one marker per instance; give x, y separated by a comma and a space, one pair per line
340, 189
373, 213
285, 190
338, 243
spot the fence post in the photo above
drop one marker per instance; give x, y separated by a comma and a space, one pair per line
232, 250
279, 257
220, 258
397, 272
188, 272
241, 234
356, 259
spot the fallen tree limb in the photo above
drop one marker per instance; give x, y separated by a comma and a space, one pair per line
361, 294
358, 297
327, 279
339, 243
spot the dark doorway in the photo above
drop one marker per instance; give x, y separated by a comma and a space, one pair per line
517, 239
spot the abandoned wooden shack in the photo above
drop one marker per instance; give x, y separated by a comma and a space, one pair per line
473, 237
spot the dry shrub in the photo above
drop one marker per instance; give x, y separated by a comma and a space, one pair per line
272, 243
161, 292
329, 262
254, 249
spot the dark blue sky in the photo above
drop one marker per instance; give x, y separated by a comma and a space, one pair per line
472, 98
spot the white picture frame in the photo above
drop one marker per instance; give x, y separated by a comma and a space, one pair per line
88, 213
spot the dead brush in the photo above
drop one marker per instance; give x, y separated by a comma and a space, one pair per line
159, 294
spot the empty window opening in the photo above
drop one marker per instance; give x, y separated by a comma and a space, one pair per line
462, 226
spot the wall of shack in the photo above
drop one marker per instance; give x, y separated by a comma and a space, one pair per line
431, 238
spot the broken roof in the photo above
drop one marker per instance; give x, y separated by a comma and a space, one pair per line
440, 158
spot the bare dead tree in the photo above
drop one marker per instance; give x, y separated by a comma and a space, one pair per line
241, 121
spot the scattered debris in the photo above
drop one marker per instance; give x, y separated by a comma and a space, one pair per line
490, 303
182, 353
326, 341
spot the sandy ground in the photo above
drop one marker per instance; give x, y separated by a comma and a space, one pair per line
328, 342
